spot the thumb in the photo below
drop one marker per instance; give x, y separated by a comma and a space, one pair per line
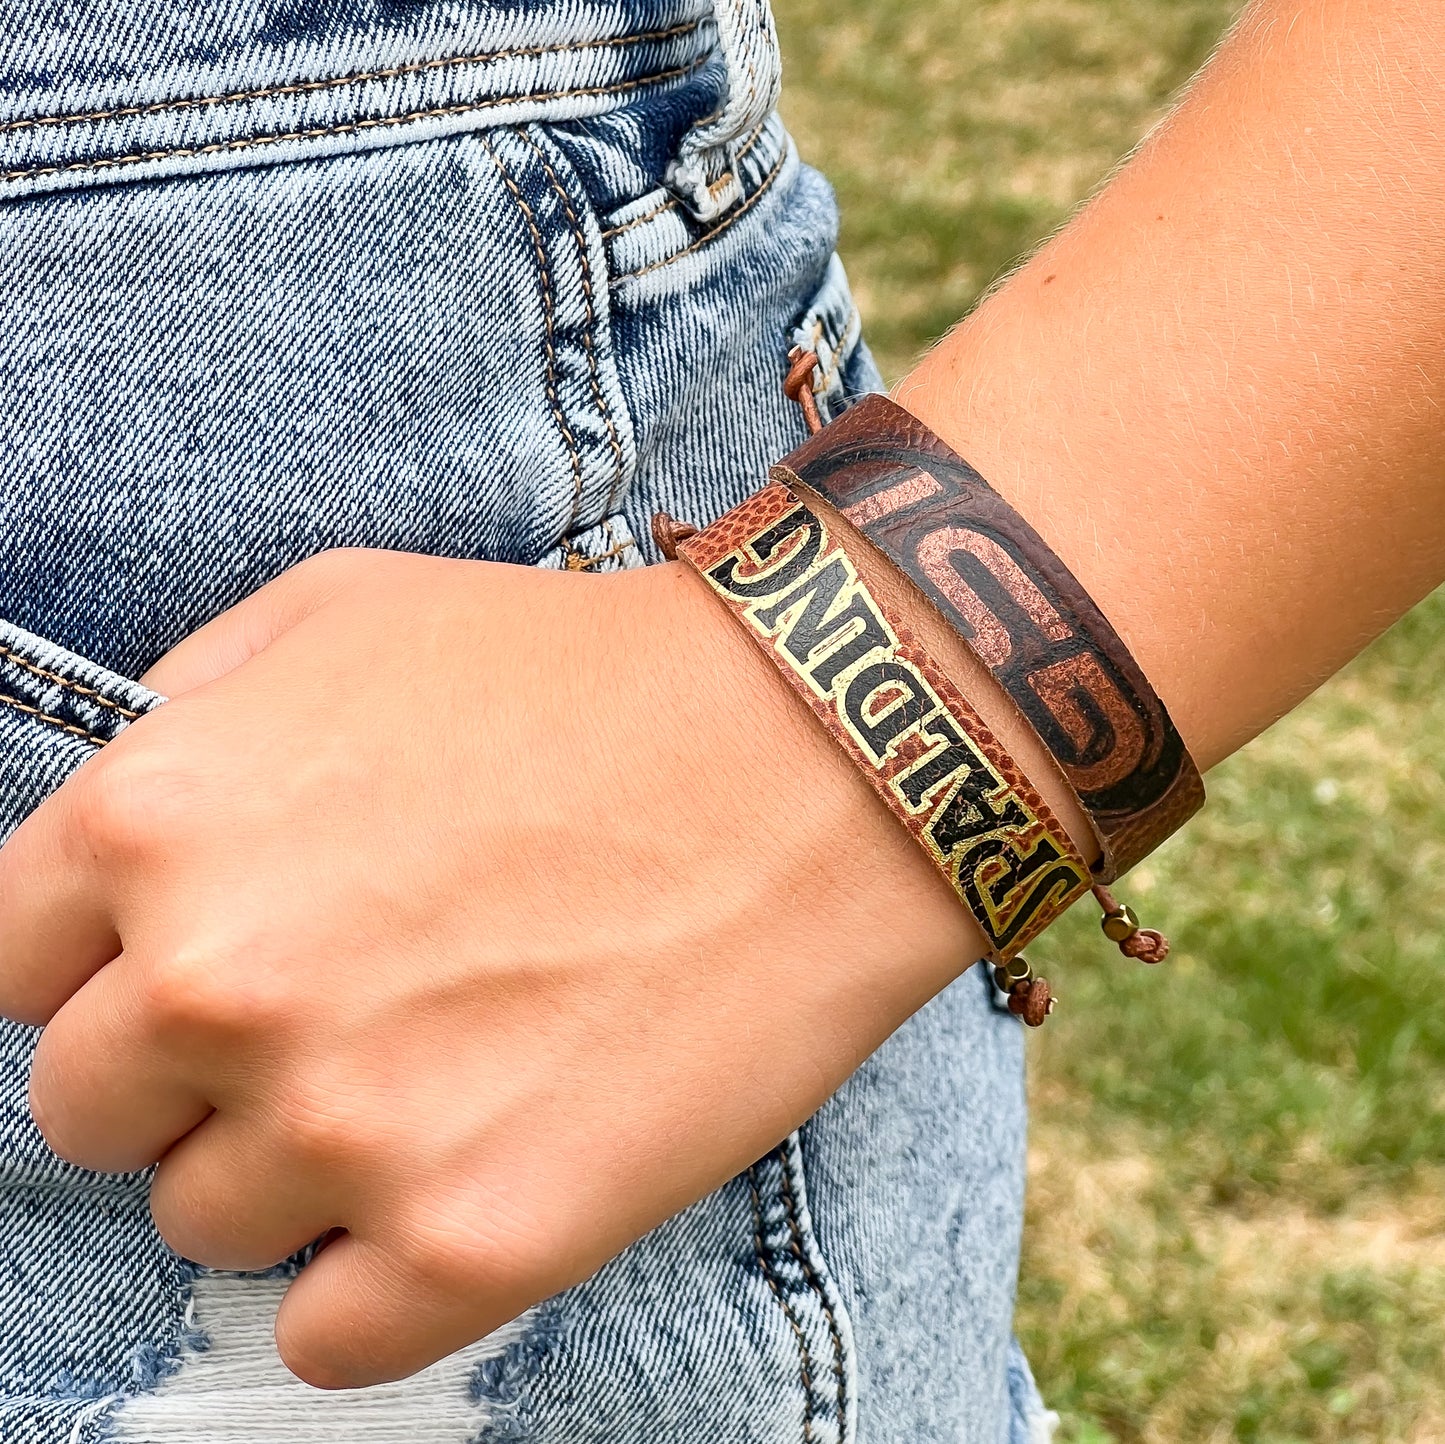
250, 626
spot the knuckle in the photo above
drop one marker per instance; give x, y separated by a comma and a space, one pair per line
105, 817
56, 1097
448, 1275
311, 1360
192, 1235
54, 1121
182, 1227
190, 989
133, 799
199, 1219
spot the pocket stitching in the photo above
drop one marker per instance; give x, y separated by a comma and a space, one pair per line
672, 202
841, 352
835, 1334
354, 127
574, 455
93, 738
805, 1357
577, 561
589, 339
160, 107
89, 693
733, 216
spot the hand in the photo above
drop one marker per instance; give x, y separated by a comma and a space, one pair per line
487, 915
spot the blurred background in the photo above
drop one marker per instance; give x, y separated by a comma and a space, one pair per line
1236, 1218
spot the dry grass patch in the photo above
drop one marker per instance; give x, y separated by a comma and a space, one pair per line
1159, 1317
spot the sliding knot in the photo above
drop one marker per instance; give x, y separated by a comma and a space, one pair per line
798, 386
1148, 945
1032, 1001
669, 534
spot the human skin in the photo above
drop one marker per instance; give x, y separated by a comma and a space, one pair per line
495, 969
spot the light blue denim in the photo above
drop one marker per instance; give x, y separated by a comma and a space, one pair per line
409, 274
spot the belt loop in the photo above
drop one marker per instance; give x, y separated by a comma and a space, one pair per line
704, 173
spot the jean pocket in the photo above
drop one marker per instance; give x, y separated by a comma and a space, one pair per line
654, 231
92, 1303
832, 329
56, 710
610, 546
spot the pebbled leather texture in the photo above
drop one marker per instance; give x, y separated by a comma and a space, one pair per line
1020, 609
925, 750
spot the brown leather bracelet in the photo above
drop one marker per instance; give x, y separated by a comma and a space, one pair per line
1020, 609
920, 744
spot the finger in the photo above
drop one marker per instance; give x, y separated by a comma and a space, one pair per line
230, 1196
57, 925
104, 1092
250, 626
362, 1314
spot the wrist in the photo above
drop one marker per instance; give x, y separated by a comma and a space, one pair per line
959, 564
865, 906
908, 607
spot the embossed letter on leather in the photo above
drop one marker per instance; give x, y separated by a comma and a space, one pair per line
1022, 611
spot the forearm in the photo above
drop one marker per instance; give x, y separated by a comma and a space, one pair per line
1217, 393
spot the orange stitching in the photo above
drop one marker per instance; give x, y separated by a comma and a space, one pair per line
825, 384
92, 737
657, 210
128, 112
588, 338
790, 1204
88, 692
805, 1356
717, 230
672, 201
579, 562
549, 311
349, 128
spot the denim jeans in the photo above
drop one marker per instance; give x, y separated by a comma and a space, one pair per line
492, 279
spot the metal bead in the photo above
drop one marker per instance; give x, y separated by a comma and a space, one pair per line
1017, 970
1121, 925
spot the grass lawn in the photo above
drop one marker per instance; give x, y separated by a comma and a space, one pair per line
1237, 1213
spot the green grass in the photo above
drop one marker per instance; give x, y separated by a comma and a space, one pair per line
1237, 1216
1248, 1145
958, 132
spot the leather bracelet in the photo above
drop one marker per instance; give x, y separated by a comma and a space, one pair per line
923, 748
1019, 608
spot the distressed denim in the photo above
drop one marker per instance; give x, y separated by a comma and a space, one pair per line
490, 279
